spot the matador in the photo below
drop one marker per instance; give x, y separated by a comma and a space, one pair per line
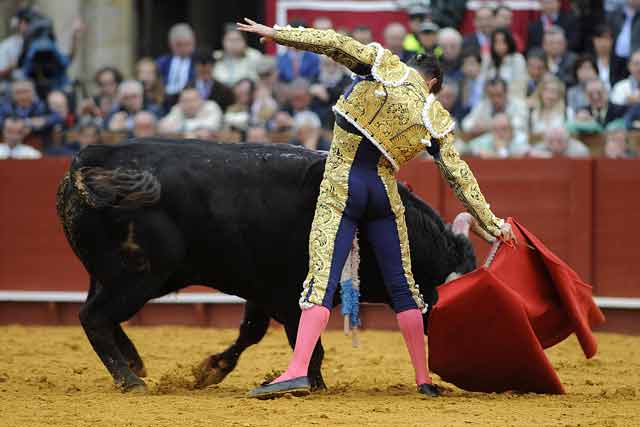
387, 116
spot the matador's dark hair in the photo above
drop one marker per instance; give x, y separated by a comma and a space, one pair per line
428, 65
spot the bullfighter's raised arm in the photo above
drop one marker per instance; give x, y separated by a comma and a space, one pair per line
343, 49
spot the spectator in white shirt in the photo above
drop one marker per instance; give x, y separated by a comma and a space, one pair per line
237, 61
13, 134
190, 114
627, 91
501, 141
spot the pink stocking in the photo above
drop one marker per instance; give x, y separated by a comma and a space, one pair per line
312, 322
412, 327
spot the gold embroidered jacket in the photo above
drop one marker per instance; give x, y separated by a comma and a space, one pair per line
395, 111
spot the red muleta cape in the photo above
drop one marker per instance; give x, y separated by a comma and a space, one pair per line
489, 328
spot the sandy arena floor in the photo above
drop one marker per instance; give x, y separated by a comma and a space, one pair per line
49, 376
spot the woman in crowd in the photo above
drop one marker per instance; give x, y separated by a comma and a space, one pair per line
236, 61
548, 110
585, 69
147, 74
507, 63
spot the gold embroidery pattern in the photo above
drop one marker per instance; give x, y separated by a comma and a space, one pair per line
391, 186
340, 48
464, 184
334, 190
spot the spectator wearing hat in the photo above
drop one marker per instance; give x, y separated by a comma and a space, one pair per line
610, 68
428, 38
616, 145
13, 133
626, 24
507, 63
480, 39
236, 61
294, 63
208, 87
558, 143
418, 14
552, 16
176, 68
627, 91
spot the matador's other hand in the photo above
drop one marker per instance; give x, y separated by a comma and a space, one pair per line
265, 33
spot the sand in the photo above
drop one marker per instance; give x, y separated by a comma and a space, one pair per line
50, 376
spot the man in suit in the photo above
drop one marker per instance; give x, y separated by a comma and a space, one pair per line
294, 63
552, 15
209, 88
626, 24
600, 109
480, 39
176, 69
559, 61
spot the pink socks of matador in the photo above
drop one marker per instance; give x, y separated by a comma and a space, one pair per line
412, 327
312, 322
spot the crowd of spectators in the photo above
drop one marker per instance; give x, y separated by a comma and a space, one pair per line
555, 93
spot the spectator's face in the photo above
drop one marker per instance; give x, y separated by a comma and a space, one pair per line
603, 44
57, 102
497, 96
132, 101
550, 95
634, 66
616, 145
204, 71
144, 126
415, 21
554, 45
549, 7
300, 99
484, 21
190, 102
597, 94
447, 97
88, 136
146, 73
107, 84
556, 141
503, 18
183, 46
363, 36
242, 93
535, 68
428, 40
322, 23
501, 128
500, 45
586, 72
234, 44
257, 135
451, 48
22, 93
13, 132
470, 67
393, 38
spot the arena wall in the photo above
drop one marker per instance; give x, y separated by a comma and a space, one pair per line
587, 211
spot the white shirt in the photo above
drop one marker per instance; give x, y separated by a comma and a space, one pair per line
178, 74
10, 49
603, 73
20, 151
622, 90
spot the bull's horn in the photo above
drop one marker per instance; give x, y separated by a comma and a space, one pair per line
462, 223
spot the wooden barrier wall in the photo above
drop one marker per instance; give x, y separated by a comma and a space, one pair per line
587, 211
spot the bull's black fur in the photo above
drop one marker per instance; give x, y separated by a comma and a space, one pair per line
150, 217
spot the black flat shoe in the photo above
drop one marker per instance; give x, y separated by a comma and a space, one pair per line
297, 387
430, 390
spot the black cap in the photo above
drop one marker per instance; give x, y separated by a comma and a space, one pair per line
428, 27
417, 10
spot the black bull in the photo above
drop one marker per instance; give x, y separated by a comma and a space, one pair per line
152, 217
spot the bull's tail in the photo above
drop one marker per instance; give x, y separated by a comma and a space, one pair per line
116, 188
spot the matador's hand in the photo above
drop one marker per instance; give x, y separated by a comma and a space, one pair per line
265, 33
506, 233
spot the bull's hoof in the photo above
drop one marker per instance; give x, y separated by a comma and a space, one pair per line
211, 370
137, 369
317, 384
133, 386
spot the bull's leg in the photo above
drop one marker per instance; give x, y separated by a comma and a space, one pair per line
100, 317
315, 364
129, 352
216, 367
